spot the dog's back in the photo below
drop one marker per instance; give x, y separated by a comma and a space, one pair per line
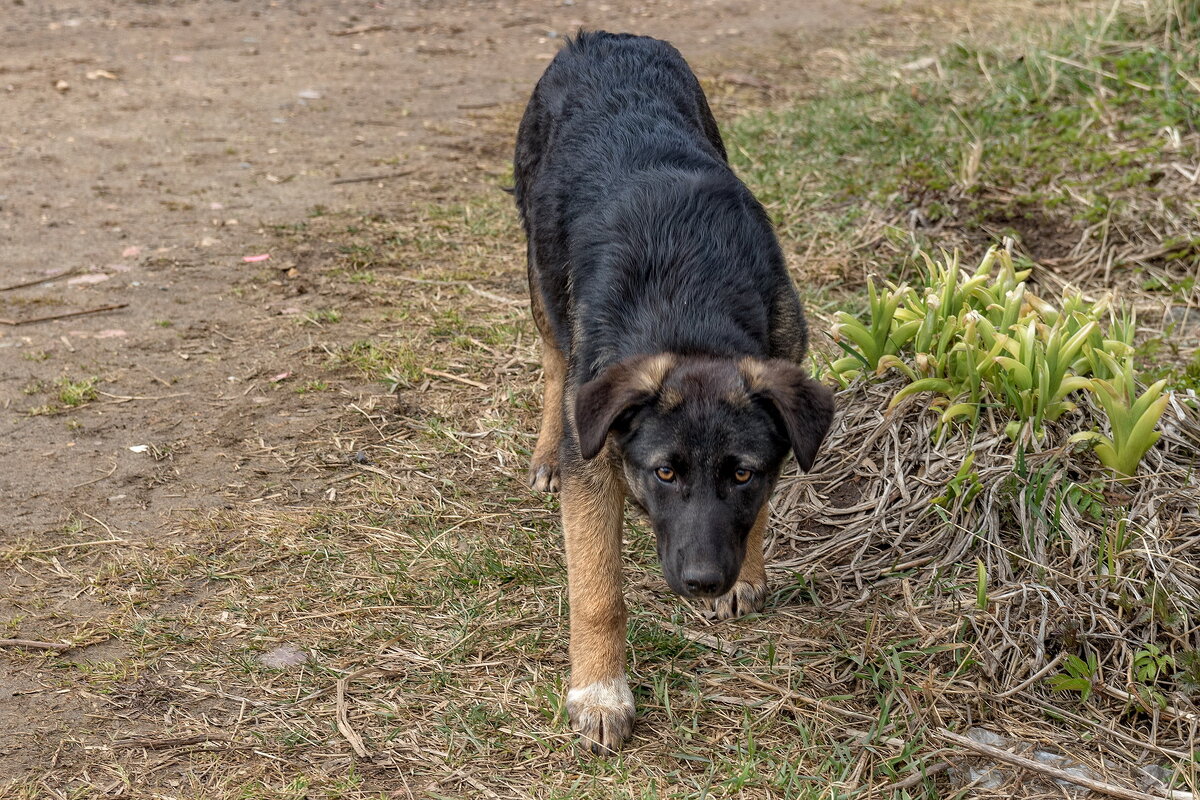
623, 186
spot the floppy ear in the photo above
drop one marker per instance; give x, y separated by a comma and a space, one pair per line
619, 389
804, 405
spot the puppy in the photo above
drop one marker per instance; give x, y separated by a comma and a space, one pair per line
673, 345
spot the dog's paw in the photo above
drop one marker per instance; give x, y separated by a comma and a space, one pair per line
744, 598
544, 475
602, 714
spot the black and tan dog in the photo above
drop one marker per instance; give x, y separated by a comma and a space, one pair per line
673, 346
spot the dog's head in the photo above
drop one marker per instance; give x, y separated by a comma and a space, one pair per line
701, 441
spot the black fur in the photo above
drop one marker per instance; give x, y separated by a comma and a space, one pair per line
643, 241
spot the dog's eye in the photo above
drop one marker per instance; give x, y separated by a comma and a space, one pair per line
743, 475
665, 474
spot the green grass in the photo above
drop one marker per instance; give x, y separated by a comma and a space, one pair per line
1040, 137
72, 393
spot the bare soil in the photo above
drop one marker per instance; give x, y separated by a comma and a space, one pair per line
148, 149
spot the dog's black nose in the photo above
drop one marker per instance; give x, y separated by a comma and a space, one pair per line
703, 582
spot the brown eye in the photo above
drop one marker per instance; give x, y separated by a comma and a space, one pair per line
665, 474
742, 475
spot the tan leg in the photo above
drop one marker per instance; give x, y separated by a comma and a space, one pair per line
749, 594
543, 467
599, 702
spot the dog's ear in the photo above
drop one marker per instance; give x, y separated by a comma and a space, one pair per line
804, 405
618, 390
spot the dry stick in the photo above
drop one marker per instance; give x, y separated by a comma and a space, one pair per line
54, 277
438, 373
49, 317
467, 284
30, 644
1149, 747
1167, 711
163, 744
69, 545
1036, 766
125, 398
1105, 73
361, 29
809, 701
1030, 680
97, 480
343, 722
915, 778
369, 178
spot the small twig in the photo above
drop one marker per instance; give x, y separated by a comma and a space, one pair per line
1105, 73
468, 285
915, 778
1036, 766
47, 279
123, 398
354, 610
343, 722
1029, 681
361, 29
97, 480
438, 373
808, 701
164, 744
30, 644
1170, 712
369, 178
69, 545
49, 317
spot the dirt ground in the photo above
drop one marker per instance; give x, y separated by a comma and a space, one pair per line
147, 150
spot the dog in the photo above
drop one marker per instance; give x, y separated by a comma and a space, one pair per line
673, 347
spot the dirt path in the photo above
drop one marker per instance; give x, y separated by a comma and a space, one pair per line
149, 147
148, 150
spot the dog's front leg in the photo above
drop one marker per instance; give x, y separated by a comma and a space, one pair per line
599, 701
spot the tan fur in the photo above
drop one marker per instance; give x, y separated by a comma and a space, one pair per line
652, 371
670, 398
753, 567
738, 398
543, 467
592, 510
755, 374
